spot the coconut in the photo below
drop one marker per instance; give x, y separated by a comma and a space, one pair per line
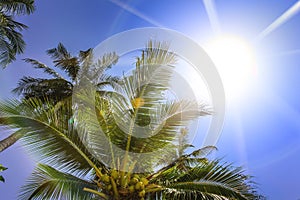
134, 181
142, 193
145, 181
139, 186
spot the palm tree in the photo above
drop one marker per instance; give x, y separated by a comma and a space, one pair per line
71, 171
11, 40
99, 154
57, 88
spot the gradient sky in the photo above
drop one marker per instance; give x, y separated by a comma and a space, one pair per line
262, 127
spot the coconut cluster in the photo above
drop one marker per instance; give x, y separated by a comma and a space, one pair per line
137, 185
126, 185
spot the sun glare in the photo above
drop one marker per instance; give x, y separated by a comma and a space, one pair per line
235, 61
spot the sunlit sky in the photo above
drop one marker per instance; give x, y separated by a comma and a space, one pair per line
261, 130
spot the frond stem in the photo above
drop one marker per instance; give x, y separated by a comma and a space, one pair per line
104, 196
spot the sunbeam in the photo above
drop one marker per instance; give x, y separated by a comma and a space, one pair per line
241, 144
212, 15
136, 13
280, 20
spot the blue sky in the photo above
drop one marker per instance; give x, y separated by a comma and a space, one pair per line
261, 130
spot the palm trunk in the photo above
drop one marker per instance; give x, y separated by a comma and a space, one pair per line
10, 140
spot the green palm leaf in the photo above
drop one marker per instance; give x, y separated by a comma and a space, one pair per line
48, 183
202, 190
190, 177
45, 135
38, 65
55, 89
64, 60
11, 41
17, 6
157, 53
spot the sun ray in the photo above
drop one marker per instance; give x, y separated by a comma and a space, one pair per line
212, 15
136, 13
292, 11
241, 145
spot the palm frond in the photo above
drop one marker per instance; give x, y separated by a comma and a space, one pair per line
171, 118
10, 107
52, 89
202, 190
26, 85
94, 69
163, 129
202, 152
92, 127
38, 65
223, 174
11, 41
199, 179
147, 82
158, 53
59, 52
46, 135
64, 60
183, 163
48, 183
152, 76
17, 6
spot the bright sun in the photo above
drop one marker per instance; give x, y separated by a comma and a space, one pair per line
235, 62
